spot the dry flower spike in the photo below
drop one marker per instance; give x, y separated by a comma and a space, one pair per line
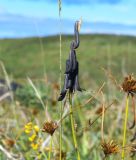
109, 148
50, 127
129, 84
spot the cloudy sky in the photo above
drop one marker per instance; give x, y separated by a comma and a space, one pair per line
21, 18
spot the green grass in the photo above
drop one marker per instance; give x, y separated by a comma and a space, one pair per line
23, 57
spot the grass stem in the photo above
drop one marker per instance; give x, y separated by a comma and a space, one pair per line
60, 46
102, 123
50, 150
60, 137
125, 128
73, 128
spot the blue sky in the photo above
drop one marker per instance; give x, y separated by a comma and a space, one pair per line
33, 14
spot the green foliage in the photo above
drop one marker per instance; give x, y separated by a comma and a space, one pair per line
22, 57
27, 97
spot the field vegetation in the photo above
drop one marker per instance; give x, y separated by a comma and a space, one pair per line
30, 114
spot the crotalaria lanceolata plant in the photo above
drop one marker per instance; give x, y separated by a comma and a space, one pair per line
71, 82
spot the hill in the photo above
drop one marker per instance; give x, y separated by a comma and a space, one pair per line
35, 57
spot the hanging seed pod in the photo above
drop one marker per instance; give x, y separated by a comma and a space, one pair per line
71, 81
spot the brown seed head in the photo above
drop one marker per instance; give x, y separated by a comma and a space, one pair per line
129, 84
50, 127
109, 147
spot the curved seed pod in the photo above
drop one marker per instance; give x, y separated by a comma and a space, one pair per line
71, 82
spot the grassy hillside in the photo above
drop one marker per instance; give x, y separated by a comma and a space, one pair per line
33, 57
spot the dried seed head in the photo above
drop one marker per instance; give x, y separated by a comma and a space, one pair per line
129, 84
109, 147
50, 127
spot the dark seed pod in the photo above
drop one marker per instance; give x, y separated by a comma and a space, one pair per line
71, 81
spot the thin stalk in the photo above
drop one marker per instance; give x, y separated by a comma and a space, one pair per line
44, 155
125, 128
102, 124
61, 108
41, 48
73, 128
37, 93
60, 137
50, 150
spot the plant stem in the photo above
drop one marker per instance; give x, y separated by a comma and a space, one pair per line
102, 132
102, 123
60, 136
125, 128
61, 108
73, 128
44, 155
50, 150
